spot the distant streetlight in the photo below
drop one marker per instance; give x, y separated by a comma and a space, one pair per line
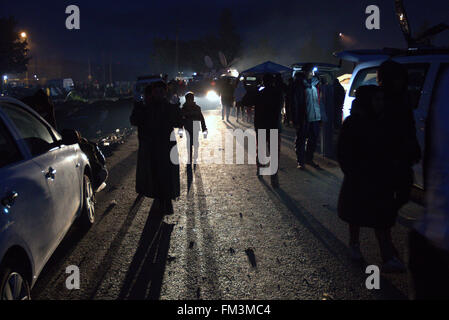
347, 39
23, 35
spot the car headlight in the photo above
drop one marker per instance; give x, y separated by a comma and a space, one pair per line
212, 96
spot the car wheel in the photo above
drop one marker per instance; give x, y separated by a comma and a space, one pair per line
88, 213
13, 284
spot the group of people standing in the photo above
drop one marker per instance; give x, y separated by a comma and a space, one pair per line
377, 146
307, 100
304, 101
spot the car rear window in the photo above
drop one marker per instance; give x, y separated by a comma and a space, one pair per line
33, 131
9, 153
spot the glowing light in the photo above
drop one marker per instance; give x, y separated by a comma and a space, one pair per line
5, 77
234, 73
340, 34
23, 35
212, 96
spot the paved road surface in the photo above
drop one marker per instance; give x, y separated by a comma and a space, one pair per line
232, 237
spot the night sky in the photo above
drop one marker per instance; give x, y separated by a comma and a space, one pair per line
125, 29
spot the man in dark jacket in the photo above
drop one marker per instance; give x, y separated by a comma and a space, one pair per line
157, 174
306, 116
267, 116
227, 97
405, 151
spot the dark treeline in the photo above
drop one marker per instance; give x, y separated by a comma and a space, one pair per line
191, 53
13, 50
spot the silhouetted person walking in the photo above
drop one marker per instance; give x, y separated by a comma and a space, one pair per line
240, 92
227, 97
157, 174
191, 113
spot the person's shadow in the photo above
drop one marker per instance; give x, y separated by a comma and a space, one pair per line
144, 277
189, 174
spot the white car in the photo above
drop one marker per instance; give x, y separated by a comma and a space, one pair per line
424, 69
45, 185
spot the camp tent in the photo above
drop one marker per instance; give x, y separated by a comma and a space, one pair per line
266, 67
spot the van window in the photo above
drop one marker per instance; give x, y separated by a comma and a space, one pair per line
416, 77
364, 77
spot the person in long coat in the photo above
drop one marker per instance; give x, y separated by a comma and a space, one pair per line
157, 174
368, 196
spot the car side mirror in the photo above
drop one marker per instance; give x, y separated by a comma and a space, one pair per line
70, 137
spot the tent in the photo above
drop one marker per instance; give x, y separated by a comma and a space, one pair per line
266, 67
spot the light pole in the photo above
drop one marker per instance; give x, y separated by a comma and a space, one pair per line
4, 83
24, 37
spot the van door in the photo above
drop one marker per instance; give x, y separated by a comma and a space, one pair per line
421, 83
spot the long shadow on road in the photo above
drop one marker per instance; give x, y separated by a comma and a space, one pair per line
329, 241
196, 287
145, 274
105, 264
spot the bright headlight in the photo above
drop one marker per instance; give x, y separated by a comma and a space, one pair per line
212, 96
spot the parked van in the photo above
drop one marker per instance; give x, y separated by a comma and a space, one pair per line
424, 67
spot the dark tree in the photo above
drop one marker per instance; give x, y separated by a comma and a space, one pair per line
13, 51
230, 41
191, 53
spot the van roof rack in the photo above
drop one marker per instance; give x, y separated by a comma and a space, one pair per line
364, 55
